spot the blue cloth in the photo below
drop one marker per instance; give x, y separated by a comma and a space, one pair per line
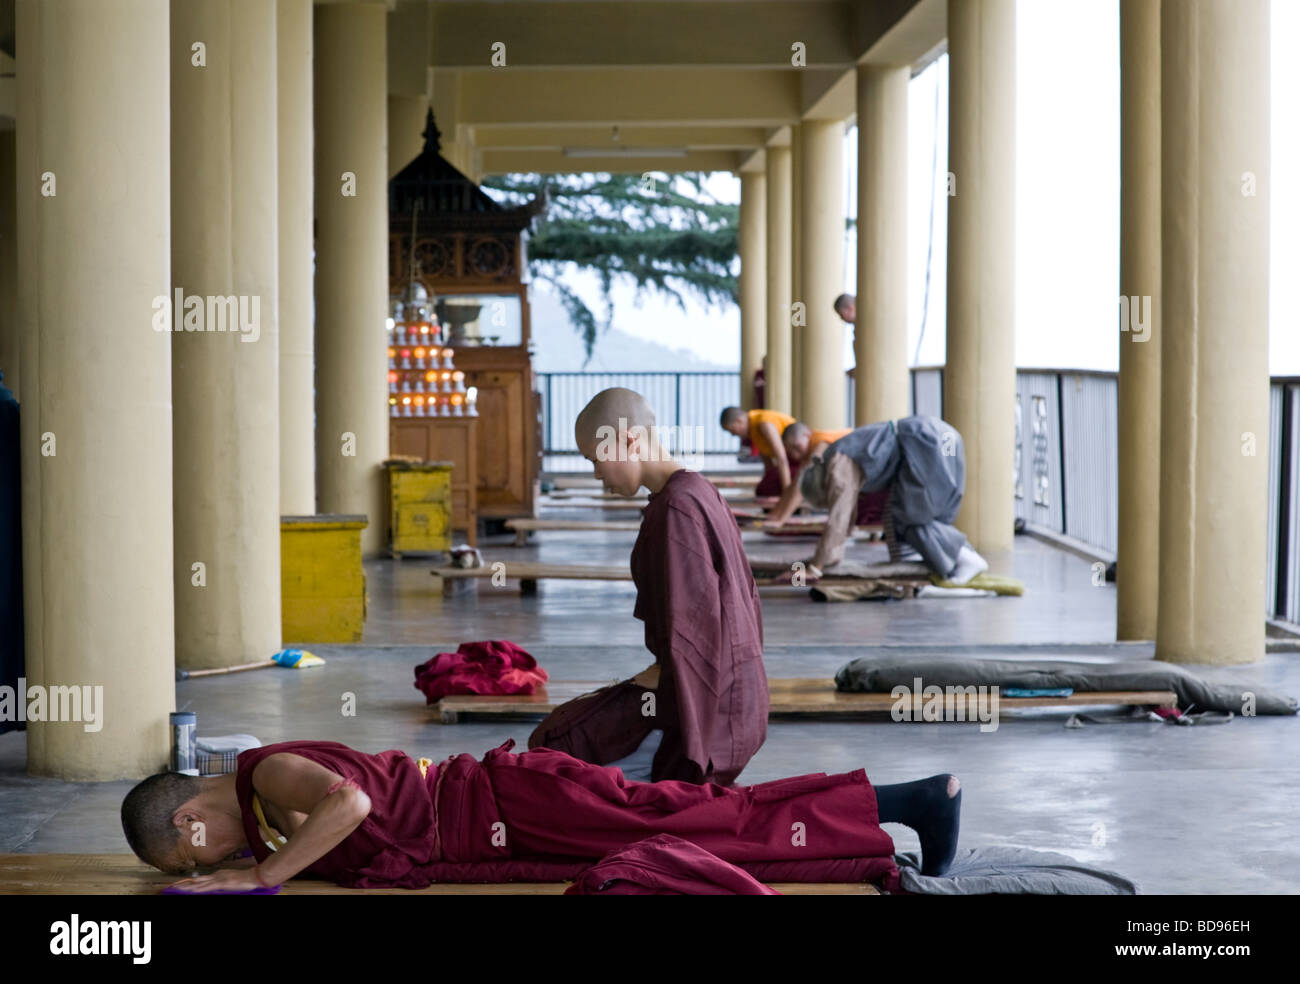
637, 766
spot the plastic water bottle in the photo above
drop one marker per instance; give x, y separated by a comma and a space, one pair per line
184, 726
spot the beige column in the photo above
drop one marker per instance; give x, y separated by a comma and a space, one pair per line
9, 334
293, 37
777, 394
821, 348
881, 386
27, 20
1138, 557
224, 355
406, 119
94, 244
979, 384
753, 280
798, 314
351, 263
1214, 92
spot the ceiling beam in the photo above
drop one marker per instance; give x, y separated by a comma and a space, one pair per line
549, 138
701, 97
643, 33
556, 162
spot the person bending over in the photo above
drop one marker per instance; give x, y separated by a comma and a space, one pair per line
921, 462
763, 429
801, 443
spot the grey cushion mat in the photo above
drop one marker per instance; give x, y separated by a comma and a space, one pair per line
880, 674
1012, 871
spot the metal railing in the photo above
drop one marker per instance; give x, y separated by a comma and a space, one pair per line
1066, 457
683, 401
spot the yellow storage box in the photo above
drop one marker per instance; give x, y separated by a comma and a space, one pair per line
322, 584
419, 506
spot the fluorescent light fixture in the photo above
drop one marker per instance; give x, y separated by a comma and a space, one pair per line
624, 151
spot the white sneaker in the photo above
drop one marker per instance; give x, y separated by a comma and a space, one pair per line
969, 563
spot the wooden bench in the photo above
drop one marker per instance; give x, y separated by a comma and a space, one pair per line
790, 697
590, 502
723, 481
123, 874
527, 572
797, 528
522, 527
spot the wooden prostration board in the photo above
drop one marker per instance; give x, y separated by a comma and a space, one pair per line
122, 874
528, 573
735, 480
789, 696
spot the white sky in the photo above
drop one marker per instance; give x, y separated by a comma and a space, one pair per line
1067, 218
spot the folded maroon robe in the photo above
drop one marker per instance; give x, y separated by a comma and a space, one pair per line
666, 865
546, 816
496, 667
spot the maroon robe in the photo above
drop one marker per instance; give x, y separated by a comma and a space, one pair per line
546, 816
704, 626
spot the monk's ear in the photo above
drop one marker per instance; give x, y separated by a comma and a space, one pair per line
184, 819
636, 443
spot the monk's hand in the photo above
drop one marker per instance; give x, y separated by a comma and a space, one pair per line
229, 880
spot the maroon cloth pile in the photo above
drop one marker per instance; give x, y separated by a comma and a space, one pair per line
666, 865
486, 668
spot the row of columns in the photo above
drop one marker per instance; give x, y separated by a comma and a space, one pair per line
1193, 384
157, 460
803, 263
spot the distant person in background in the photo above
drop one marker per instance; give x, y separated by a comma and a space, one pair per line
763, 428
846, 306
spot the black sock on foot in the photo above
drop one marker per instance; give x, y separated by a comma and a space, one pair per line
926, 807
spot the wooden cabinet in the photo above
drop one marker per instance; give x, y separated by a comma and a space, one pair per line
453, 439
509, 452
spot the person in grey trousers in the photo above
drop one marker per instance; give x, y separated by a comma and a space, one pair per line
922, 462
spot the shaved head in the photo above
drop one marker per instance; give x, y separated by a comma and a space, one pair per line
812, 483
730, 415
607, 408
147, 815
796, 431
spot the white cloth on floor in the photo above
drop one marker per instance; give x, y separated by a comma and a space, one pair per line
934, 591
637, 766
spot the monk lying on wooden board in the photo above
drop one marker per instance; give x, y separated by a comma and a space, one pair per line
699, 712
921, 463
322, 809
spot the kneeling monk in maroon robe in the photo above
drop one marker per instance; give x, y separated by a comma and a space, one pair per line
386, 820
701, 708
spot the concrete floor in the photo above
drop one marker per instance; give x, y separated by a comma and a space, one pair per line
1180, 810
